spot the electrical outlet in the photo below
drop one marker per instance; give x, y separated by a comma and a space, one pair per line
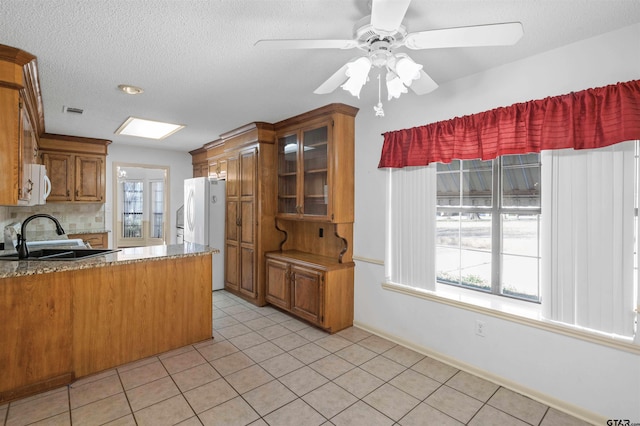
480, 328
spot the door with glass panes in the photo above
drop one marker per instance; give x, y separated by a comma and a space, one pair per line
141, 206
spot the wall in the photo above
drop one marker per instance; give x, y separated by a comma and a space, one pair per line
72, 217
590, 379
99, 216
180, 168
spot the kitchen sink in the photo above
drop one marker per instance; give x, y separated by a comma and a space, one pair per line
59, 254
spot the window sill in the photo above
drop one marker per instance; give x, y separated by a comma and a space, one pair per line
525, 313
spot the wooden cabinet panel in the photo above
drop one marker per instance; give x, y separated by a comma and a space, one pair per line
247, 228
89, 178
231, 270
60, 171
248, 173
277, 292
131, 311
200, 170
247, 272
232, 176
36, 330
231, 223
306, 293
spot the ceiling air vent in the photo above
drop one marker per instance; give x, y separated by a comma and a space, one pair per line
72, 110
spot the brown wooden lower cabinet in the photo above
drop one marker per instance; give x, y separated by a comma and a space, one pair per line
315, 288
58, 326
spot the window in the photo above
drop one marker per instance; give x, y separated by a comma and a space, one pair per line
132, 210
558, 228
157, 209
488, 225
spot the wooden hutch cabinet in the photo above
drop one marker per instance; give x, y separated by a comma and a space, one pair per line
21, 123
76, 167
311, 276
289, 212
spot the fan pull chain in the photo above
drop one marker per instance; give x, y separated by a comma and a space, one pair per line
378, 108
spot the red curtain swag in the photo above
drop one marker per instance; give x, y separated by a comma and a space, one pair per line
591, 118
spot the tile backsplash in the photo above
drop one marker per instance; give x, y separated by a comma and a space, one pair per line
72, 216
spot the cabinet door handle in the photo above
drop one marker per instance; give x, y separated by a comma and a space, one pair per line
77, 192
238, 222
68, 192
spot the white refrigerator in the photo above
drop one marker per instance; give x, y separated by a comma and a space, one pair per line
204, 220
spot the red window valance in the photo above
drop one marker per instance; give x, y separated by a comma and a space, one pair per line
591, 118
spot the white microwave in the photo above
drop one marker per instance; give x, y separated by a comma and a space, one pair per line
40, 186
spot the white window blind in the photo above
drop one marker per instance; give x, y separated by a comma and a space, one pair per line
588, 238
411, 206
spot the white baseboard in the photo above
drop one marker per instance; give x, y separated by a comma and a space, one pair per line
570, 409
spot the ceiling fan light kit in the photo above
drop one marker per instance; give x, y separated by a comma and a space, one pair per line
382, 33
358, 73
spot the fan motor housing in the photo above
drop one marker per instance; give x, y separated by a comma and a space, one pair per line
379, 52
379, 44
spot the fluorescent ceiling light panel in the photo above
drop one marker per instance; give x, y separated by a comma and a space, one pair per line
147, 128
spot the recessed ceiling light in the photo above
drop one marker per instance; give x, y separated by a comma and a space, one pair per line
130, 90
147, 128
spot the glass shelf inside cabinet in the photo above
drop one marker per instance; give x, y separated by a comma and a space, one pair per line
287, 174
315, 157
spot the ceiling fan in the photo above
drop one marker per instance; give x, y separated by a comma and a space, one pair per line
381, 34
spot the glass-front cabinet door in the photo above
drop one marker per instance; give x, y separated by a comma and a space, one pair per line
314, 153
302, 173
288, 175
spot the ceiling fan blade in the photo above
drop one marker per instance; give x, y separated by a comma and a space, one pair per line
307, 44
333, 82
387, 15
479, 35
424, 84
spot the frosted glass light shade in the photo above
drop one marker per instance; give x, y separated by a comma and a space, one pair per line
407, 70
395, 88
358, 72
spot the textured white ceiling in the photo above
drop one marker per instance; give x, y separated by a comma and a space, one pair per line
196, 61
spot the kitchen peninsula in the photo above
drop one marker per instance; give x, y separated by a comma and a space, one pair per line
61, 320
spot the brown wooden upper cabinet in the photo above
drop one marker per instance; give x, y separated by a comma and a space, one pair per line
21, 122
315, 165
76, 167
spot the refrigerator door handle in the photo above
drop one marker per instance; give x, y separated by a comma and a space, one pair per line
189, 213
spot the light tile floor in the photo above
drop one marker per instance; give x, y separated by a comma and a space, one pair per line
264, 367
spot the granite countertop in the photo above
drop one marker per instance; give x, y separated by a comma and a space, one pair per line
122, 256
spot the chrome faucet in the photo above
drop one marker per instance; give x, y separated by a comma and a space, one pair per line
23, 251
